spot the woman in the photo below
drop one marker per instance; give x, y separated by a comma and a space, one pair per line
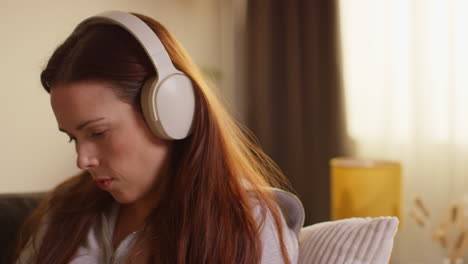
169, 180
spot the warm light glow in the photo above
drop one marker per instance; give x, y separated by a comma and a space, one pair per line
460, 51
405, 66
405, 70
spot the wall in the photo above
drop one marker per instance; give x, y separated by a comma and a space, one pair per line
34, 155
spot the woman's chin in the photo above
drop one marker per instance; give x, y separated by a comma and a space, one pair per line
122, 198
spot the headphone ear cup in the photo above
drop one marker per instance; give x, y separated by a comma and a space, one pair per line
169, 106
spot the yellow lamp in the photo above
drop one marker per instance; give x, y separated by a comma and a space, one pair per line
365, 188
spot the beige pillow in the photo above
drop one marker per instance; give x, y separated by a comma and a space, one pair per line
348, 241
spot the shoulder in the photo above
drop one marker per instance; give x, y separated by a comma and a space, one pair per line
291, 214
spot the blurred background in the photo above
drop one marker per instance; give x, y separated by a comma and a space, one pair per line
313, 79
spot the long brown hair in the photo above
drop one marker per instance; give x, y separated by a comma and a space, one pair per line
205, 215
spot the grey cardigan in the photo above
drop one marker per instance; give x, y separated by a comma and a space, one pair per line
98, 248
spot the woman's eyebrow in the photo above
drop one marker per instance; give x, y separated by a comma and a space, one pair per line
84, 124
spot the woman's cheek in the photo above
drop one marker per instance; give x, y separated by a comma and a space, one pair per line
120, 147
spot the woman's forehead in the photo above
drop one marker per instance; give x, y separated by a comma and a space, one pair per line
89, 91
78, 102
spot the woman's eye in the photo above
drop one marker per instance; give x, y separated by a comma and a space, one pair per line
98, 134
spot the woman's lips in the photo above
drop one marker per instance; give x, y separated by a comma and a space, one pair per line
104, 184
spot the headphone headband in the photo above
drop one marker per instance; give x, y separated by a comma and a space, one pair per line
143, 34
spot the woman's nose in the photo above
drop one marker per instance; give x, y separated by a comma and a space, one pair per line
86, 157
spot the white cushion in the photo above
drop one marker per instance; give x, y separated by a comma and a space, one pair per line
348, 241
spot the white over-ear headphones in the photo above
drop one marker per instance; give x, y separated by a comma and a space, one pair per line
167, 99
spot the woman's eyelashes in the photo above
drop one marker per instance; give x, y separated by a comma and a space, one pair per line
98, 134
93, 135
71, 139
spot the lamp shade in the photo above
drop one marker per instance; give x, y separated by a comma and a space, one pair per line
365, 188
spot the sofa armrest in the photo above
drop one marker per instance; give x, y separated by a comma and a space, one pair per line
14, 208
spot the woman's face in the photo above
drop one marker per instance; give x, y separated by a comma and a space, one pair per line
111, 138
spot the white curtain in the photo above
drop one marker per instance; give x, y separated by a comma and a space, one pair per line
406, 87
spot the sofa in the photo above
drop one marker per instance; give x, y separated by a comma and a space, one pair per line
14, 209
347, 241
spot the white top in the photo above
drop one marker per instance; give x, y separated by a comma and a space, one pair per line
98, 248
